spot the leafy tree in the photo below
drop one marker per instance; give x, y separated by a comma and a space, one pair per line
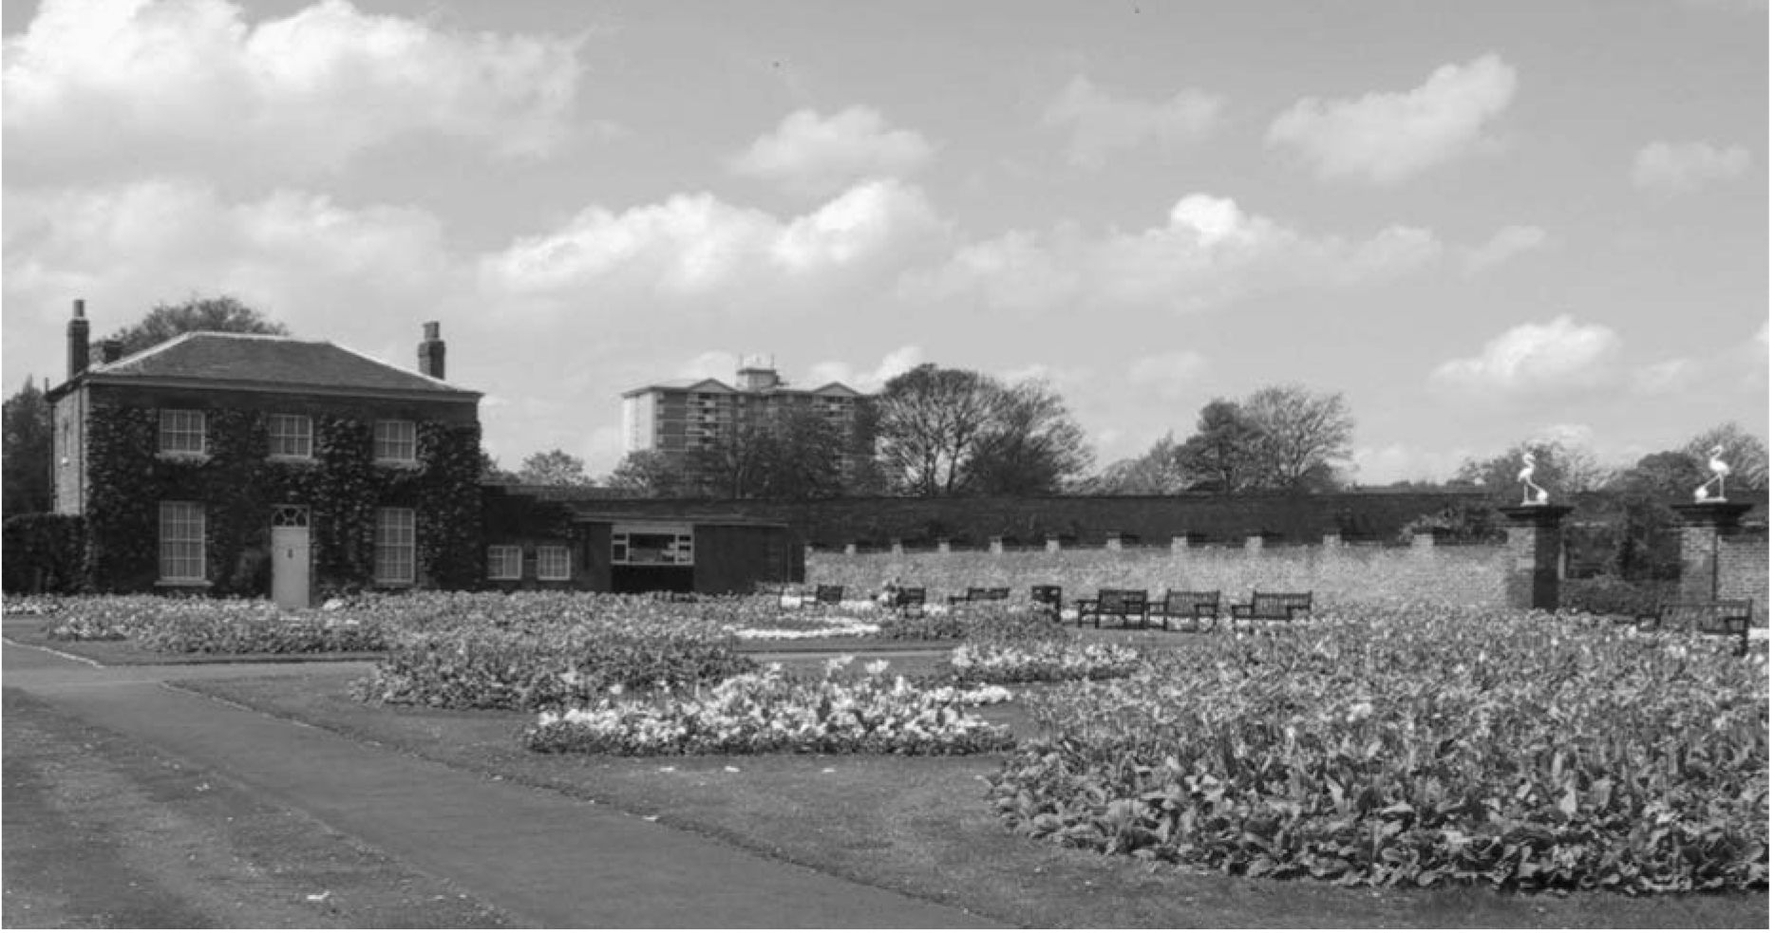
1561, 469
1301, 437
1158, 472
553, 468
1222, 452
1745, 453
804, 457
649, 474
222, 313
492, 472
27, 466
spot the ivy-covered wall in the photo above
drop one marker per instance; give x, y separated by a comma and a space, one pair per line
239, 485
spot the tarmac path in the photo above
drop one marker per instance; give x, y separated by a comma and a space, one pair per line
546, 859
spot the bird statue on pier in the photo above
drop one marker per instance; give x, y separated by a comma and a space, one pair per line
1538, 496
1706, 491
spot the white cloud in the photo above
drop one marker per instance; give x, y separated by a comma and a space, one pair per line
1208, 252
698, 247
1387, 137
809, 154
1171, 375
1102, 122
1537, 357
892, 364
112, 87
298, 257
1507, 243
1679, 167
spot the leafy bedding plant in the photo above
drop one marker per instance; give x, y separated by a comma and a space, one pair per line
997, 661
1524, 751
769, 711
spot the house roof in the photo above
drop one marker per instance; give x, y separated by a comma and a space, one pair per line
256, 361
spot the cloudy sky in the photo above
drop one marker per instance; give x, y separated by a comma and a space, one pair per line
1481, 222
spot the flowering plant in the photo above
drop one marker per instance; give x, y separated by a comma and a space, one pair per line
767, 711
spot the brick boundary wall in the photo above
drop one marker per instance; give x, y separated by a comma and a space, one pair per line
1338, 574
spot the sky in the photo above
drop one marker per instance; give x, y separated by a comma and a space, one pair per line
1482, 223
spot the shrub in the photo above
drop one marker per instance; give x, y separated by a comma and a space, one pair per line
1519, 750
45, 553
1613, 596
769, 712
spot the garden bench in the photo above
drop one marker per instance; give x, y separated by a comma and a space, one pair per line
1127, 605
1728, 617
982, 594
828, 595
908, 601
1047, 599
1194, 605
1273, 607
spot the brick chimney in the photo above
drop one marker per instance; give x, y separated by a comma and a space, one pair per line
79, 345
431, 352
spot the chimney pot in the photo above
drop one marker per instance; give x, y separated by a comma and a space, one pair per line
111, 351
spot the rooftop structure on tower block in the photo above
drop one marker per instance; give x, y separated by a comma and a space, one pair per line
681, 417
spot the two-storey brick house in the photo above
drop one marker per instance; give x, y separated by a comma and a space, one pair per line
255, 465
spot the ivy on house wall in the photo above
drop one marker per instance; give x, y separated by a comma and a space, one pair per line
239, 485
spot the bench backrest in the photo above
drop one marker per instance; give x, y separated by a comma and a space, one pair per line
1045, 595
1181, 602
1121, 600
977, 593
828, 594
1280, 602
1719, 615
909, 596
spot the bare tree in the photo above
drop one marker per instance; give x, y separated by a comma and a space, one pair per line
930, 421
1302, 436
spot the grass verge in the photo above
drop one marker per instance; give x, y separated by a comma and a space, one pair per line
921, 826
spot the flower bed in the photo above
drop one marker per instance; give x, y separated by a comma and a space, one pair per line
1055, 659
1007, 621
1519, 750
770, 712
477, 666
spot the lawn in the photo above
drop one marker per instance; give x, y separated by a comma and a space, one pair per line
922, 826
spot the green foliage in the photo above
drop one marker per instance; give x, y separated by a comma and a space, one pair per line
238, 483
999, 620
535, 651
1610, 595
26, 463
166, 321
45, 553
1417, 747
553, 468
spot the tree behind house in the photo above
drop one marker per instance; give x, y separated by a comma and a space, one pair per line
223, 313
28, 452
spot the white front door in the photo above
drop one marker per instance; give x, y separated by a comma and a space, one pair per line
289, 556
